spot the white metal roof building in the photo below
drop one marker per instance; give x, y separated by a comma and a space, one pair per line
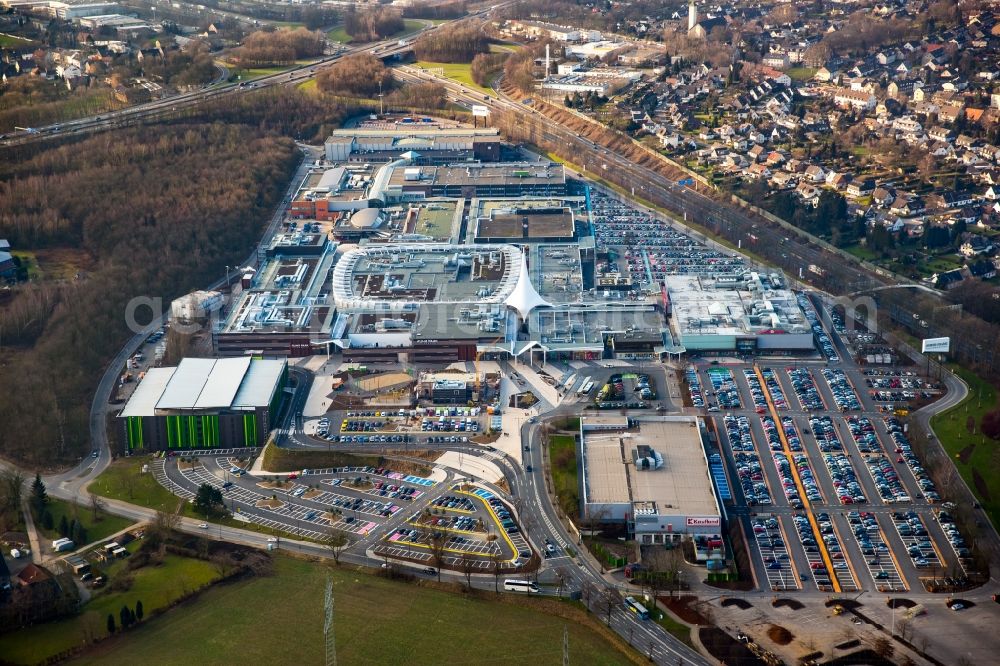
204, 403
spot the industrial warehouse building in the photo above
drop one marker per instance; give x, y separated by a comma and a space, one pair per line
205, 403
431, 143
649, 473
746, 313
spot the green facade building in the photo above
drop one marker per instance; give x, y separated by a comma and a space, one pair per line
205, 403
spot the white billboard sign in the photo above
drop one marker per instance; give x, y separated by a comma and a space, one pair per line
936, 345
480, 111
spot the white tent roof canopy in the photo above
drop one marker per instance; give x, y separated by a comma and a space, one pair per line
524, 298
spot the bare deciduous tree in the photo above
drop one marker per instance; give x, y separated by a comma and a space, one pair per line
882, 646
96, 506
609, 600
437, 543
467, 565
336, 542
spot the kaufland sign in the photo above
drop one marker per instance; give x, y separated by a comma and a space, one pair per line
702, 522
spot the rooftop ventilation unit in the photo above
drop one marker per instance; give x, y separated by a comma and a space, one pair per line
646, 458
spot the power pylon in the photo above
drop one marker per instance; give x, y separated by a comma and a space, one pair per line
328, 634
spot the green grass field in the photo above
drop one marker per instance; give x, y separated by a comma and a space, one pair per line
124, 481
156, 586
106, 524
456, 71
800, 73
378, 621
678, 630
562, 453
7, 41
951, 429
410, 26
861, 252
308, 86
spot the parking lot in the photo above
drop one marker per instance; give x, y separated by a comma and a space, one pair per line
841, 502
400, 426
467, 528
645, 249
406, 515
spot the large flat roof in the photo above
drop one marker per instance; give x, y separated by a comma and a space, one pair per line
258, 383
206, 384
474, 174
147, 393
223, 383
187, 383
682, 485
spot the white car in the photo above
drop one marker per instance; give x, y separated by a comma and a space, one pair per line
203, 526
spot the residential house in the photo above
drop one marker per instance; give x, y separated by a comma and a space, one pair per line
783, 179
907, 205
815, 173
757, 171
7, 265
838, 181
861, 187
33, 575
938, 133
984, 269
949, 279
975, 246
809, 193
757, 153
858, 100
907, 124
824, 75
949, 113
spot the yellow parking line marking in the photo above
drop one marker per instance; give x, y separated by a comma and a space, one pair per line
824, 553
496, 519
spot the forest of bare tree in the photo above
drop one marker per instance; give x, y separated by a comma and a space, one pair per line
158, 211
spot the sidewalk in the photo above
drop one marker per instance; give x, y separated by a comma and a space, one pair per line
29, 527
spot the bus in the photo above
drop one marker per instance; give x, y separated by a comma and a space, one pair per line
585, 389
511, 585
637, 608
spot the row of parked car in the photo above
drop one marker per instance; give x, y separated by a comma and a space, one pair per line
454, 502
805, 389
905, 451
444, 424
955, 537
774, 388
845, 479
724, 388
694, 387
863, 432
808, 539
386, 489
784, 467
825, 433
843, 393
771, 433
887, 482
866, 530
751, 476
756, 391
822, 339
